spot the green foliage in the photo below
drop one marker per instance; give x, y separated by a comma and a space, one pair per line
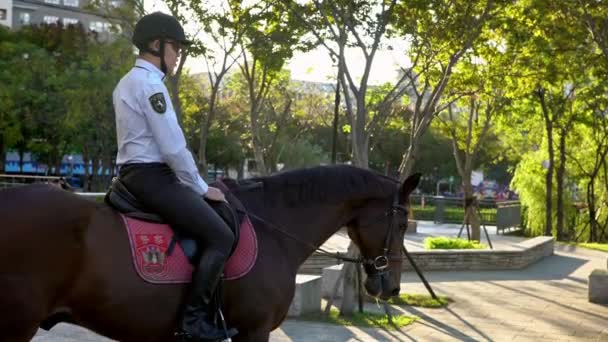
529, 182
61, 100
442, 242
302, 153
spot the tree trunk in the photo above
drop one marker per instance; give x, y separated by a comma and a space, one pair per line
97, 177
21, 161
258, 90
241, 169
602, 235
174, 89
591, 204
86, 184
408, 160
334, 131
549, 178
349, 293
561, 170
258, 153
106, 169
57, 163
258, 150
360, 136
56, 159
471, 209
2, 154
206, 126
203, 167
549, 185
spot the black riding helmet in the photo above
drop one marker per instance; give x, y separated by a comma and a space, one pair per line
159, 26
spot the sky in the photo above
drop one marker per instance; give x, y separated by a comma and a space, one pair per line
316, 65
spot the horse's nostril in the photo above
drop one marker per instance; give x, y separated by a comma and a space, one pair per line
396, 291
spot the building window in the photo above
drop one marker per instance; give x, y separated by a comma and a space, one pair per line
50, 19
71, 3
24, 18
2, 14
99, 26
54, 2
96, 26
69, 21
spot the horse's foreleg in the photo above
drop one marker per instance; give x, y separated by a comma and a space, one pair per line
252, 336
24, 335
21, 310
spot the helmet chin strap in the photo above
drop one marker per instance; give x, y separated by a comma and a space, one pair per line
163, 65
161, 54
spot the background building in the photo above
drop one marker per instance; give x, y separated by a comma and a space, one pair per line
6, 12
18, 13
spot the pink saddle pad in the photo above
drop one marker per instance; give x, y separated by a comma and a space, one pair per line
150, 241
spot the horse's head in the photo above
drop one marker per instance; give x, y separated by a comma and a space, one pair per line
378, 230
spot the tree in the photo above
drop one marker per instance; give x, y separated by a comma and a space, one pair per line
271, 37
549, 57
362, 25
590, 153
439, 33
54, 50
469, 130
90, 118
594, 15
223, 31
15, 93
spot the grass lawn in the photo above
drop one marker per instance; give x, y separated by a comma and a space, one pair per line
597, 246
363, 320
424, 301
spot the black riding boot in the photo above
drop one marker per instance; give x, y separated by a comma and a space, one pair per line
199, 316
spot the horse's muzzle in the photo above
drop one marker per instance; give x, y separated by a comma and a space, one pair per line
379, 286
373, 285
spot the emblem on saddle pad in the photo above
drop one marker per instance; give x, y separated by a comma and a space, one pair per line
153, 248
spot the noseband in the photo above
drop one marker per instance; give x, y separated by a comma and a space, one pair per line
377, 266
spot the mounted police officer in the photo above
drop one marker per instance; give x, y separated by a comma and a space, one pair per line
158, 169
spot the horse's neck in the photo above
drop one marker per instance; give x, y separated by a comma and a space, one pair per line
312, 227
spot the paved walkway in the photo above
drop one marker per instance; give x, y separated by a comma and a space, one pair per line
415, 242
546, 301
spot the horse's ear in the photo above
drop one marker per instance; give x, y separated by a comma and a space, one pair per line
409, 185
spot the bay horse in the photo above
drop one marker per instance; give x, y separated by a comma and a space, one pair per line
64, 257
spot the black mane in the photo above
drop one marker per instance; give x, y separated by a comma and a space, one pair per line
323, 183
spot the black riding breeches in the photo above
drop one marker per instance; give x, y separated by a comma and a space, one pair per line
157, 187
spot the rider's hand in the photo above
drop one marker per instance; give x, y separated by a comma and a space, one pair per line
215, 194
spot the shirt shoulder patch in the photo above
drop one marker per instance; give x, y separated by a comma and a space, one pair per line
158, 103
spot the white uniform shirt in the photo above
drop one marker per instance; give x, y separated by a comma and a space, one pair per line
147, 129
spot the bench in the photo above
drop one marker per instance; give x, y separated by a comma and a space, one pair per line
307, 297
330, 275
508, 216
598, 286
